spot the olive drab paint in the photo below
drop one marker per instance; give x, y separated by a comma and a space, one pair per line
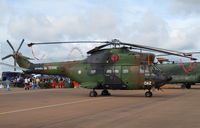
116, 68
184, 73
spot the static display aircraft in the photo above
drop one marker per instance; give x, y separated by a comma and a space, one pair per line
118, 67
186, 74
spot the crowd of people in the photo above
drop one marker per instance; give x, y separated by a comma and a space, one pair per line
41, 82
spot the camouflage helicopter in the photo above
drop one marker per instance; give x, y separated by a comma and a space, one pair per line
117, 68
186, 74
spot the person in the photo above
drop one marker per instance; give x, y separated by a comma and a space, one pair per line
76, 84
61, 83
37, 82
7, 85
54, 84
26, 82
31, 83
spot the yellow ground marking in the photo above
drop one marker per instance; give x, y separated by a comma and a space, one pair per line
54, 105
167, 87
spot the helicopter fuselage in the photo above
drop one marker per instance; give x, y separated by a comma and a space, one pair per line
116, 68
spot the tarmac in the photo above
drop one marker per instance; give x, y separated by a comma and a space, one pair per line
73, 108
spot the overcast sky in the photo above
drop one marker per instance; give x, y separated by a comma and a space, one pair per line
172, 24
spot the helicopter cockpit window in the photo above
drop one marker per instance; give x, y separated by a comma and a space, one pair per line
109, 71
144, 69
155, 68
93, 71
125, 71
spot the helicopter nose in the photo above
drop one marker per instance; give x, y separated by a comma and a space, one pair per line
165, 78
162, 80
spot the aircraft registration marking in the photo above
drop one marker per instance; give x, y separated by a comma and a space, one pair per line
52, 67
38, 68
147, 83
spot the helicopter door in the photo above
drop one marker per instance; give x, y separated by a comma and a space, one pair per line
146, 70
132, 77
113, 76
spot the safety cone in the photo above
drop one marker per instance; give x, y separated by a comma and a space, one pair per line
8, 88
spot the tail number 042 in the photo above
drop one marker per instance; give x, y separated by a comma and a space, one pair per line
147, 83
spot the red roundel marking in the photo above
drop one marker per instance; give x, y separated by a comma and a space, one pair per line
115, 57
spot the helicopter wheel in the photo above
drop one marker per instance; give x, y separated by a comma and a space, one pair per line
188, 86
183, 86
93, 93
148, 94
105, 93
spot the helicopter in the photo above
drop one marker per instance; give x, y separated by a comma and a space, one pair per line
116, 68
186, 73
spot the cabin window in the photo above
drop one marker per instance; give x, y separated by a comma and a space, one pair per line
116, 71
144, 69
93, 71
125, 71
109, 71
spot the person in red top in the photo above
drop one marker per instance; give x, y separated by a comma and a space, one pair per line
76, 84
61, 84
54, 84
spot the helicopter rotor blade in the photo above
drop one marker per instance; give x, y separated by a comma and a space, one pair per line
20, 46
191, 53
187, 54
7, 57
31, 44
25, 69
97, 48
166, 51
162, 55
15, 63
194, 52
117, 42
11, 45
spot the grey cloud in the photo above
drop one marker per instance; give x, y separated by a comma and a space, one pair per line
4, 11
154, 31
32, 28
185, 38
150, 30
99, 23
185, 6
102, 24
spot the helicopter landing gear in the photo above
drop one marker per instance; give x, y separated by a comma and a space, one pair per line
183, 86
93, 93
186, 85
148, 94
105, 93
